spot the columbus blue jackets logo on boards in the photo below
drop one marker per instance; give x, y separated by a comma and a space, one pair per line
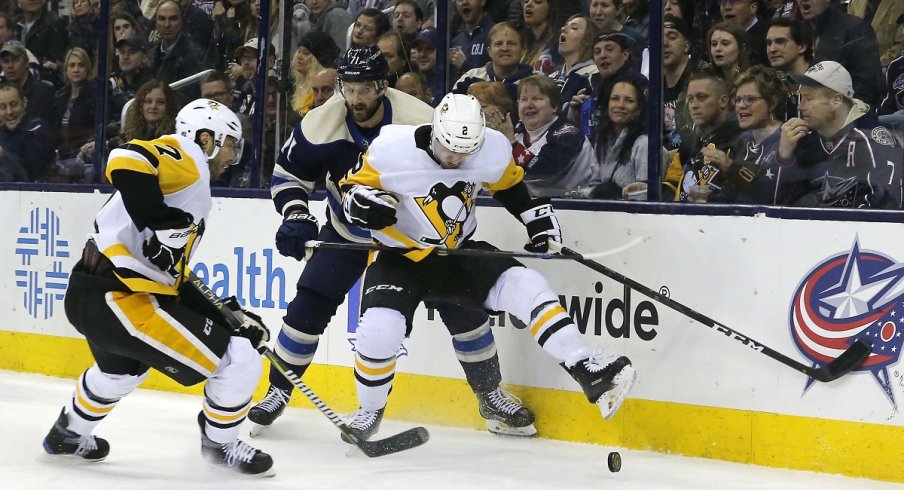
40, 273
447, 208
854, 295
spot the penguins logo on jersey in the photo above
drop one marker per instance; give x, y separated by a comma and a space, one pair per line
447, 208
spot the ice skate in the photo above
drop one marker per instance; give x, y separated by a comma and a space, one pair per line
235, 455
605, 379
267, 410
505, 415
364, 424
62, 441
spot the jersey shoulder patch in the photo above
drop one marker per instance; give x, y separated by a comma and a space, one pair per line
883, 136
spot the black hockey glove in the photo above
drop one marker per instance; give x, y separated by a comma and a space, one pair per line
542, 226
369, 208
166, 247
252, 327
297, 228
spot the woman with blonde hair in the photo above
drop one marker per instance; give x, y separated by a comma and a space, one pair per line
316, 51
74, 107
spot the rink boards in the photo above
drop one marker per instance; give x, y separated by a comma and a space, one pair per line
804, 288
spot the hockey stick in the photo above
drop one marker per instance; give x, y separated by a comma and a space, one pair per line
848, 360
404, 440
453, 251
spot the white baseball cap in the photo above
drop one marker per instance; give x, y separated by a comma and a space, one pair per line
830, 75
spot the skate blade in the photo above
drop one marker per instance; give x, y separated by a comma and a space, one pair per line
257, 429
612, 400
66, 459
503, 429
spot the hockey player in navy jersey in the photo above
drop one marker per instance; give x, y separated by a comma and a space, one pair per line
329, 141
416, 188
127, 295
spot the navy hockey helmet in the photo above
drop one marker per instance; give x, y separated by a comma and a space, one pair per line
364, 64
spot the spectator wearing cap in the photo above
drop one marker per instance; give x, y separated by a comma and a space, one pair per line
175, 55
836, 154
330, 17
424, 58
24, 139
506, 50
676, 73
848, 40
14, 61
133, 71
247, 54
881, 16
316, 52
43, 33
469, 41
369, 25
74, 107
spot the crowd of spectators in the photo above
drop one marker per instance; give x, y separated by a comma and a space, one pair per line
797, 102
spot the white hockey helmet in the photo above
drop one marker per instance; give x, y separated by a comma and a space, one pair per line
458, 123
212, 116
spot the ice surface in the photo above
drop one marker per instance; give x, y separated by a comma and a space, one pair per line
155, 445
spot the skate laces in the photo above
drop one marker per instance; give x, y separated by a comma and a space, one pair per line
86, 444
275, 398
362, 419
504, 401
237, 451
599, 359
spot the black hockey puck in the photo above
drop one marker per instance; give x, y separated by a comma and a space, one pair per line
614, 462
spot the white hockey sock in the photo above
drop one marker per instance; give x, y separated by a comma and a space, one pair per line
379, 337
227, 393
96, 394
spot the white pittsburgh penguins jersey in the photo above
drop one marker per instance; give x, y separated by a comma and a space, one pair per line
436, 205
184, 178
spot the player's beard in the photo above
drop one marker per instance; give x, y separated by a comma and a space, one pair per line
363, 111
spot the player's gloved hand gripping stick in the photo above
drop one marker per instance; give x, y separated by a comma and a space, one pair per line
404, 440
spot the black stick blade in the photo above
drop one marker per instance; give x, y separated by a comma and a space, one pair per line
847, 361
411, 438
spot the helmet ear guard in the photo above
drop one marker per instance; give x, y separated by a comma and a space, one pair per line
459, 124
213, 117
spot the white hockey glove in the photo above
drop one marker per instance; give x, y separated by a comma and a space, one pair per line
542, 226
166, 246
252, 327
369, 208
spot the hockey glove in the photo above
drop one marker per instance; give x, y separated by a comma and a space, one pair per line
166, 247
252, 327
297, 228
369, 208
542, 226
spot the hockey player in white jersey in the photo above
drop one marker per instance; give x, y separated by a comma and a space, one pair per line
415, 188
128, 294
